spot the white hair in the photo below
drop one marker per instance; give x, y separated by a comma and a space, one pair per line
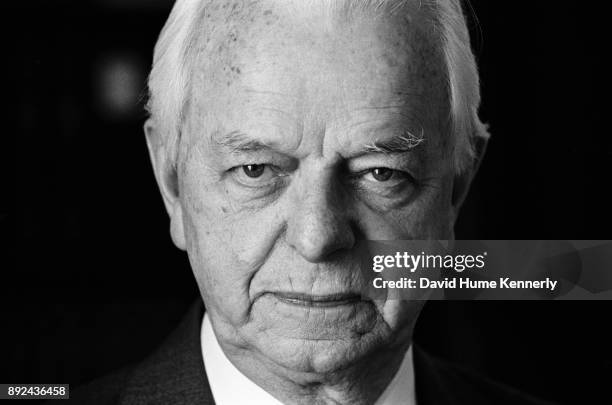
176, 53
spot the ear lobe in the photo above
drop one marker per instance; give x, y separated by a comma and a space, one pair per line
167, 181
177, 231
463, 180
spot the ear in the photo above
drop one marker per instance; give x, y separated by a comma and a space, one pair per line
463, 180
167, 181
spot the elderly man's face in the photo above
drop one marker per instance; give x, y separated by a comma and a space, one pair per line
278, 178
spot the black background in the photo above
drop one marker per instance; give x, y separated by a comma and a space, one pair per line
90, 278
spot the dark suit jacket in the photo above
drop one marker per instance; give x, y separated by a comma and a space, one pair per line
175, 375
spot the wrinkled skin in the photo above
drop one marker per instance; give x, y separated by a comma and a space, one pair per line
299, 95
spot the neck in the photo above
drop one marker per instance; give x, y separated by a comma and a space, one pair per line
360, 383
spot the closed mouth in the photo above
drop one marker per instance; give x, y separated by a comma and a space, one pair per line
308, 300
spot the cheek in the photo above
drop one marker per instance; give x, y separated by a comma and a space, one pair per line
220, 279
400, 316
429, 216
225, 248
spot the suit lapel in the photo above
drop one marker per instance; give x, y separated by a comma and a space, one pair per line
430, 385
175, 373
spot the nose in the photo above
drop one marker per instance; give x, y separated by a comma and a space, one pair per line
319, 222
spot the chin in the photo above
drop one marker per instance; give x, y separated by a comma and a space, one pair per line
321, 356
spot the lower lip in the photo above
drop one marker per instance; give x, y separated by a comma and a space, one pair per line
318, 303
316, 319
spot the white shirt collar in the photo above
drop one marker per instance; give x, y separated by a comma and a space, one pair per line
229, 386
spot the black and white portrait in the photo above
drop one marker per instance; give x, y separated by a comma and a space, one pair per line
195, 180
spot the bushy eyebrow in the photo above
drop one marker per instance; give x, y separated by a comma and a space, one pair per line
238, 142
402, 143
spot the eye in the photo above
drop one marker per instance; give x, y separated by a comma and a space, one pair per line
382, 173
385, 182
253, 171
257, 175
385, 174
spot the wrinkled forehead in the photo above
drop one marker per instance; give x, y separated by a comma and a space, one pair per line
226, 30
234, 14
380, 52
